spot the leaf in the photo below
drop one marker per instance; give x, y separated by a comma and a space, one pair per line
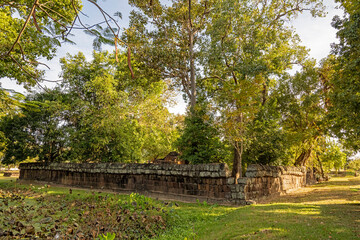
118, 14
70, 230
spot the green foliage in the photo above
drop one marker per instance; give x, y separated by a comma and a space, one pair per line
114, 117
354, 164
267, 141
108, 236
38, 40
247, 51
333, 157
138, 202
98, 114
242, 52
200, 139
36, 131
345, 82
242, 49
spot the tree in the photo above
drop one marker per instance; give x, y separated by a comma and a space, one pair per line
329, 154
36, 131
267, 141
301, 101
113, 116
333, 157
98, 114
250, 48
166, 38
354, 164
200, 138
344, 96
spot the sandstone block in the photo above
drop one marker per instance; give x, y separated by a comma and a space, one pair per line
230, 180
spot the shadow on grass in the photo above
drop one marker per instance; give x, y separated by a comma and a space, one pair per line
286, 221
337, 191
329, 210
340, 182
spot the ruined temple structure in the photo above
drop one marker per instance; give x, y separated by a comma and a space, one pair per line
183, 182
172, 157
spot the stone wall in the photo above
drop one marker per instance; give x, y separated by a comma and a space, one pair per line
261, 181
205, 182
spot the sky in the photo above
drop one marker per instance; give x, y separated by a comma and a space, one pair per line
315, 33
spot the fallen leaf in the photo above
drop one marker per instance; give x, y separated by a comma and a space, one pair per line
30, 230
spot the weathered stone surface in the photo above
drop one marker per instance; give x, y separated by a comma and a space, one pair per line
208, 182
230, 180
242, 180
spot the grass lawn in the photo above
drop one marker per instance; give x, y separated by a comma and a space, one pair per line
329, 210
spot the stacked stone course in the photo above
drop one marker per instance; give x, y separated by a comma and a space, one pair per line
204, 182
262, 181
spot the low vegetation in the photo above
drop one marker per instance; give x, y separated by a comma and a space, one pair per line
328, 210
54, 213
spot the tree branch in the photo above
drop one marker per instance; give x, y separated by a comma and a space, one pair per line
55, 20
105, 15
31, 62
35, 22
24, 26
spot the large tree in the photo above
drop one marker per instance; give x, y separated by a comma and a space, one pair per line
115, 117
345, 82
302, 101
167, 37
36, 131
239, 47
250, 48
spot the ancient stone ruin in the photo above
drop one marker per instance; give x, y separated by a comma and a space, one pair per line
172, 157
204, 182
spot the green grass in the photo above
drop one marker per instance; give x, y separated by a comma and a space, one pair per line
329, 210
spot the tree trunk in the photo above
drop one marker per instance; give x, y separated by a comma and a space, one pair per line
321, 168
237, 162
304, 156
264, 94
238, 152
192, 62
